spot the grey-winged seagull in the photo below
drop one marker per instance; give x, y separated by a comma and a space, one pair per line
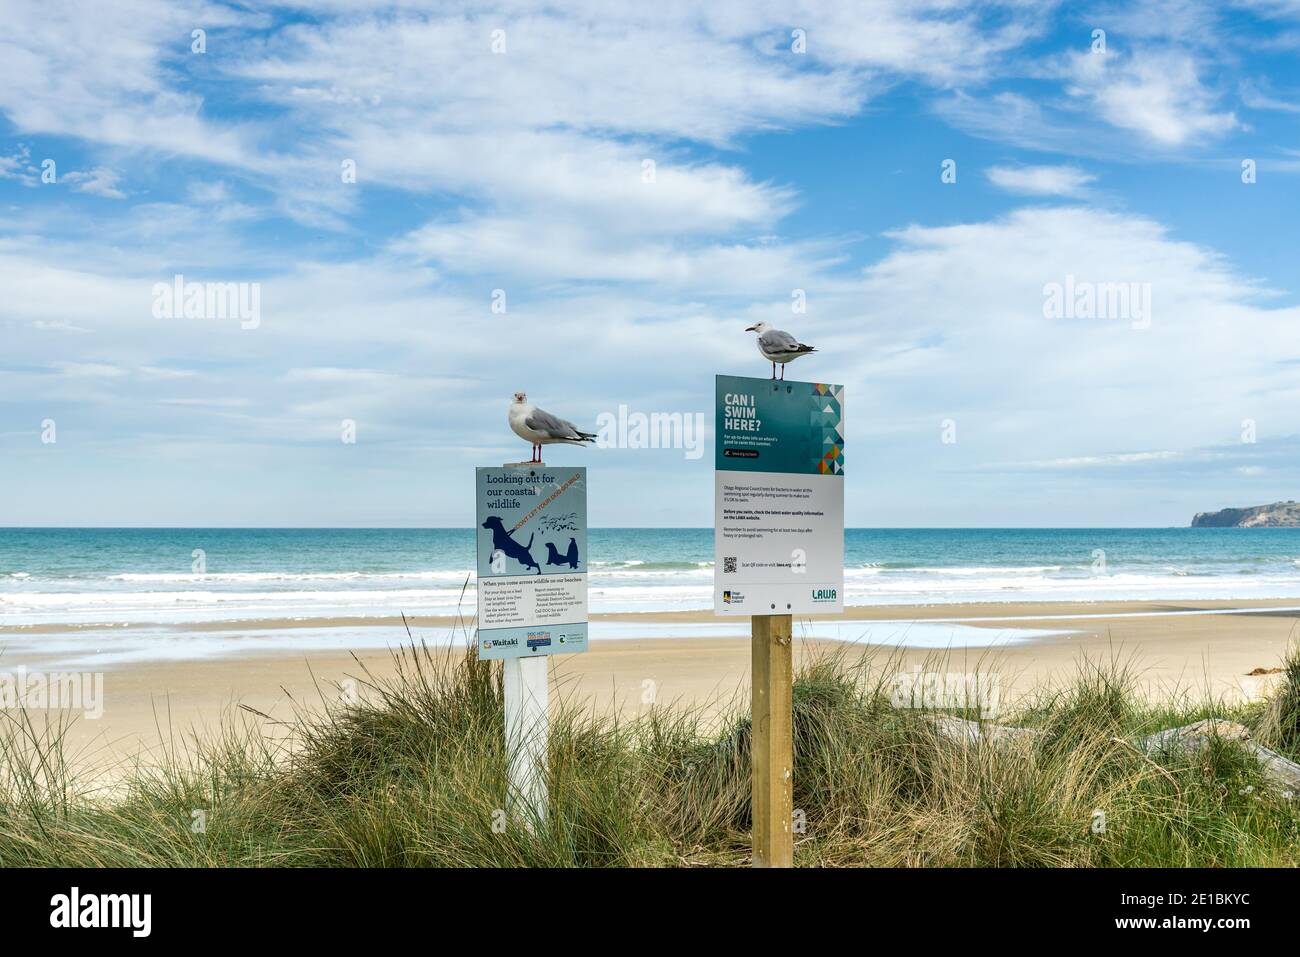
541, 428
777, 346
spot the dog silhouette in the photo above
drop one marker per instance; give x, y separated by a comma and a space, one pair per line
569, 558
502, 542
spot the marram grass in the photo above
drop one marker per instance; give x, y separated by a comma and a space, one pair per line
413, 774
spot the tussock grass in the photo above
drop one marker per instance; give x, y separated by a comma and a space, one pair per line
413, 774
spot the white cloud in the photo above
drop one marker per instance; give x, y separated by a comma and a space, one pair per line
970, 298
1107, 460
1156, 94
99, 181
1273, 8
952, 319
369, 377
1067, 181
614, 71
416, 96
1258, 95
19, 166
1012, 118
90, 370
941, 42
541, 248
100, 71
948, 324
575, 178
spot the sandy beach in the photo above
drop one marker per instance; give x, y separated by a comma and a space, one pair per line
1190, 647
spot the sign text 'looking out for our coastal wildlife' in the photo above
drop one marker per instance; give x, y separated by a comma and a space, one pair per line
532, 560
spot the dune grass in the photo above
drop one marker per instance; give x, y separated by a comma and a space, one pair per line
413, 774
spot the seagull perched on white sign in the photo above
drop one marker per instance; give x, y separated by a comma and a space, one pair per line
541, 428
777, 346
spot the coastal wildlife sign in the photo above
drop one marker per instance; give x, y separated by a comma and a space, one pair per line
532, 560
778, 497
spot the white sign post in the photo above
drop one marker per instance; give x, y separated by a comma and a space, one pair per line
532, 603
778, 552
527, 723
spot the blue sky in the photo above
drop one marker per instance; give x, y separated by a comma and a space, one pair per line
516, 161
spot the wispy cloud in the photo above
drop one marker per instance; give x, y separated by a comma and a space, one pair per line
99, 181
1068, 181
1157, 94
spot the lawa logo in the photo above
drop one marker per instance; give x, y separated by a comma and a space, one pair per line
103, 910
824, 594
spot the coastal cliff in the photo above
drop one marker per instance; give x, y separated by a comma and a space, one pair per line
1277, 515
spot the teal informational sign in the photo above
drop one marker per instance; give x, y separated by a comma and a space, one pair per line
531, 525
764, 425
778, 497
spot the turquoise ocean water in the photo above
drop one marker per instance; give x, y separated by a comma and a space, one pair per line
97, 580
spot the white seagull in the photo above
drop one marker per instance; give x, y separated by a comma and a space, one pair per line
541, 428
777, 346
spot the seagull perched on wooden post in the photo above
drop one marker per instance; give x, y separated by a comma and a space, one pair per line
541, 428
777, 346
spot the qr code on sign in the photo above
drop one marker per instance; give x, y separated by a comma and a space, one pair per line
729, 566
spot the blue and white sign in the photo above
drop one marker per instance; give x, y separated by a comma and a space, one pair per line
532, 561
778, 497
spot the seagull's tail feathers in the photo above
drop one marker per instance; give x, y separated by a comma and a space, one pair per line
803, 348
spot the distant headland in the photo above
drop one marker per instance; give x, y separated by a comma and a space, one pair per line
1277, 515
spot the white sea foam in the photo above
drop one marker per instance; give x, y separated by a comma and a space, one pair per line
216, 577
965, 570
181, 598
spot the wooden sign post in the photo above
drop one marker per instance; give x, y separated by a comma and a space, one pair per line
772, 741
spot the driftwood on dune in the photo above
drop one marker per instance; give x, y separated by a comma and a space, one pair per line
1189, 738
1197, 736
972, 732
